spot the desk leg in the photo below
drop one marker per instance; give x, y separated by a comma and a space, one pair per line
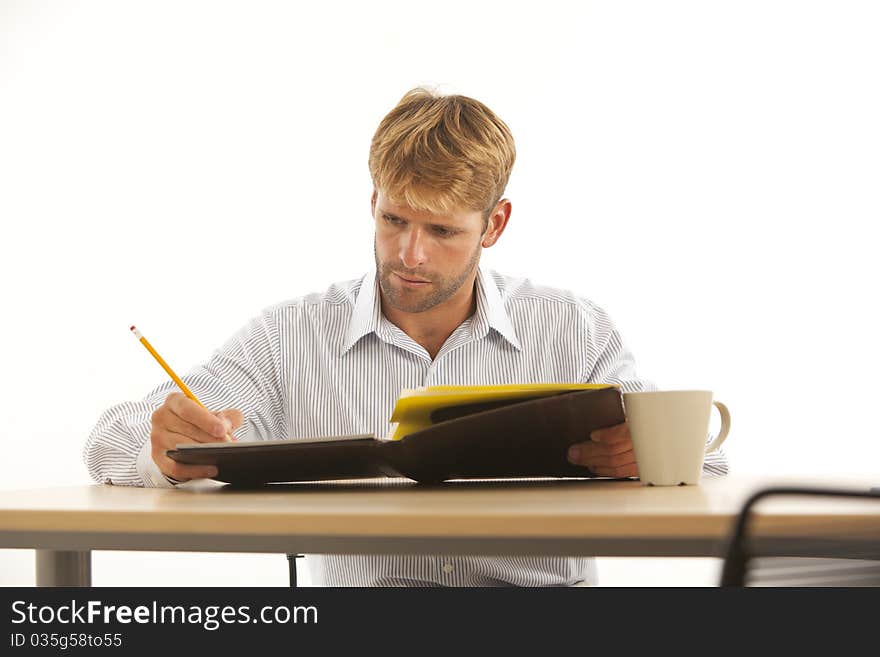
64, 568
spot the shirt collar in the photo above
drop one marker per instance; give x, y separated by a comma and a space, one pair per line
490, 311
366, 317
367, 312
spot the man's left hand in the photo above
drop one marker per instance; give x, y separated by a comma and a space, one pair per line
608, 453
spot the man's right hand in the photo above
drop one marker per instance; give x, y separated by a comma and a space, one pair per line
181, 420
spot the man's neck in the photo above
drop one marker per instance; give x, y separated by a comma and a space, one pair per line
433, 327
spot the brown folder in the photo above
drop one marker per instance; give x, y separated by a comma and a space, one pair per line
519, 438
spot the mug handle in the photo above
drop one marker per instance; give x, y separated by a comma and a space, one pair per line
725, 427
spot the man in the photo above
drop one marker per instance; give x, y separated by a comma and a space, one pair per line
334, 363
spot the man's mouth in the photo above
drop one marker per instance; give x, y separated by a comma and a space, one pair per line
412, 281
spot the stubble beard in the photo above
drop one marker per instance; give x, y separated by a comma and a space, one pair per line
441, 289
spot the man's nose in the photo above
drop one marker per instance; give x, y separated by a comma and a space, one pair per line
412, 249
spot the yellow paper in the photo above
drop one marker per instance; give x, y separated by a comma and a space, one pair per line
412, 411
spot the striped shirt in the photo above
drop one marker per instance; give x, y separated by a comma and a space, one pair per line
332, 364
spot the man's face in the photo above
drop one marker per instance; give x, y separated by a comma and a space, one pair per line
424, 259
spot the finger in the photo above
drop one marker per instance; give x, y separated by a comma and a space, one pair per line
582, 452
592, 454
163, 440
189, 411
172, 424
184, 472
585, 453
235, 417
172, 468
607, 440
620, 465
630, 470
611, 449
610, 465
615, 434
616, 461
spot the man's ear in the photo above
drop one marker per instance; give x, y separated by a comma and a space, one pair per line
373, 202
497, 223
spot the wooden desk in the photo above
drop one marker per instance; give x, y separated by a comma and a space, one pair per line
570, 517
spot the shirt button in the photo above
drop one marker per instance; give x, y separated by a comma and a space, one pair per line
447, 568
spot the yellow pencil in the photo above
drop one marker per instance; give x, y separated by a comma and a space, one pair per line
165, 366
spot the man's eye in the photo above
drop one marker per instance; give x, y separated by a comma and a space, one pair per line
392, 220
442, 232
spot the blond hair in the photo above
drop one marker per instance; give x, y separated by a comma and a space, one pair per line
441, 153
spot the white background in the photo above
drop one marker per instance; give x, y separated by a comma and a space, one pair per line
706, 171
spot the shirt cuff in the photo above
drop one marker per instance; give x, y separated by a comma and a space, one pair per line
149, 472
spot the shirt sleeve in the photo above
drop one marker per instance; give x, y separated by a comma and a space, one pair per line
243, 374
149, 472
610, 361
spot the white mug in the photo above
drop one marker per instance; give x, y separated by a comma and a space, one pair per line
669, 430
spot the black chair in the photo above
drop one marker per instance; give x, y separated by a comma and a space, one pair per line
835, 560
291, 568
